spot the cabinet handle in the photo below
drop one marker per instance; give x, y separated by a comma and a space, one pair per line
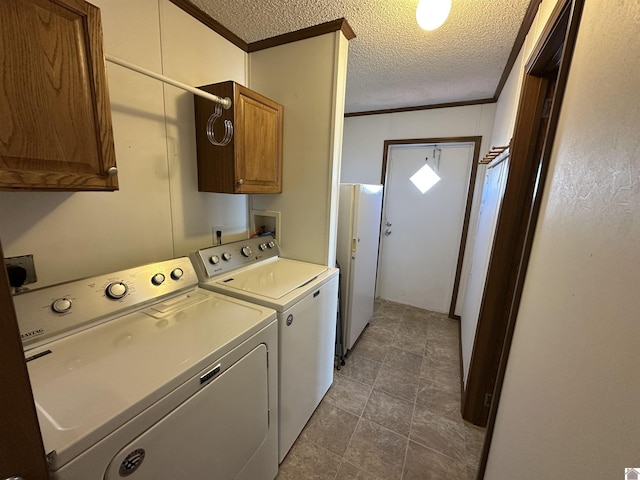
14, 478
113, 171
241, 181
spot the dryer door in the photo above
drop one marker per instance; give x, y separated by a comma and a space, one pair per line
212, 434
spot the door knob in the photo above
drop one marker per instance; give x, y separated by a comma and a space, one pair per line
387, 232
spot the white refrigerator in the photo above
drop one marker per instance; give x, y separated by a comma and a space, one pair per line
360, 210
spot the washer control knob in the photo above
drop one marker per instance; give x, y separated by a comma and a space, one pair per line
271, 244
246, 251
226, 256
177, 273
263, 247
214, 259
61, 305
157, 279
116, 290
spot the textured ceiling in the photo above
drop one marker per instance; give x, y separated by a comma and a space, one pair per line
392, 62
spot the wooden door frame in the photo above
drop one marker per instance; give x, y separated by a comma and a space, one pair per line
21, 449
476, 141
528, 168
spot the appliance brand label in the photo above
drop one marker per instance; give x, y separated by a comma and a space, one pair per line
32, 333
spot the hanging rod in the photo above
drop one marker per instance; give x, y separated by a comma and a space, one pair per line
225, 102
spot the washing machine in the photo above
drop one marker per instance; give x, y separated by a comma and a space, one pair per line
305, 296
140, 374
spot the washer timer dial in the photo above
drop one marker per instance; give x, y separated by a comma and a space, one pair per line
116, 290
246, 251
61, 305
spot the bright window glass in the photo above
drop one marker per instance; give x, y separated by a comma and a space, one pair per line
425, 178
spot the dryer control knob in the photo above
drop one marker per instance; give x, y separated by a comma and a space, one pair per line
214, 259
271, 244
61, 305
157, 279
246, 251
226, 256
116, 290
263, 247
177, 273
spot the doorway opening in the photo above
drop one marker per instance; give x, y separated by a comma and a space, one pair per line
543, 88
416, 223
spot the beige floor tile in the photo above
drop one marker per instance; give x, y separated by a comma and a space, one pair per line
361, 369
331, 428
368, 348
386, 308
397, 382
349, 472
425, 464
380, 332
377, 450
403, 361
409, 343
439, 433
389, 411
413, 329
308, 461
347, 394
442, 398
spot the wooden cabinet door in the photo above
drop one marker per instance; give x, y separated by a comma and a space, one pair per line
55, 118
258, 143
21, 450
252, 161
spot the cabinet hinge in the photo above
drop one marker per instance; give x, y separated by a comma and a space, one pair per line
487, 399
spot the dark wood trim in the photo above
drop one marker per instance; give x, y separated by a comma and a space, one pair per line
527, 21
464, 103
214, 25
476, 140
569, 13
544, 56
339, 24
315, 31
491, 319
21, 449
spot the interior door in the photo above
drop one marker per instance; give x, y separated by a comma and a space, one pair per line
21, 449
421, 232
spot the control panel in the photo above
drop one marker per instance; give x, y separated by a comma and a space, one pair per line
50, 311
220, 259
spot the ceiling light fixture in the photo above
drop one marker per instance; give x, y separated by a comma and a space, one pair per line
430, 14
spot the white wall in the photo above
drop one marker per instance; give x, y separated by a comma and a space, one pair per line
569, 405
308, 78
363, 147
364, 136
157, 213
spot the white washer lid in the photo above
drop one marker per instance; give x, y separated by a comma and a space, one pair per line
272, 279
94, 381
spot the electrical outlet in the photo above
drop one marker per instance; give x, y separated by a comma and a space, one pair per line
26, 262
216, 234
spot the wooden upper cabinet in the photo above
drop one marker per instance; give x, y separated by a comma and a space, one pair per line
252, 161
55, 117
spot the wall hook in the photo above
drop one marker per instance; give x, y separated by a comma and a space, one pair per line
228, 128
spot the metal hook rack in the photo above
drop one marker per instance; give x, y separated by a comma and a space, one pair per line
220, 102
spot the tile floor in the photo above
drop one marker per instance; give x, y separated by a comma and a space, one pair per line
393, 411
